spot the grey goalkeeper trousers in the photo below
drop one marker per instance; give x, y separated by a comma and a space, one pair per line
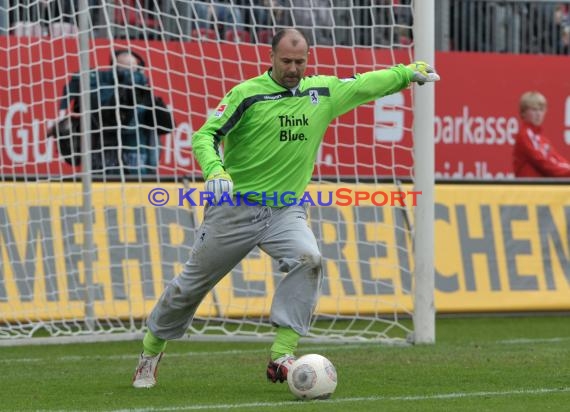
226, 236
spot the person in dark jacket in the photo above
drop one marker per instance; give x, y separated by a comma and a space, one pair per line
126, 120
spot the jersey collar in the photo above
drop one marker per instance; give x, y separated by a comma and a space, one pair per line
280, 85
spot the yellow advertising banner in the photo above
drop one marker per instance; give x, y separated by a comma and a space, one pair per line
498, 248
502, 247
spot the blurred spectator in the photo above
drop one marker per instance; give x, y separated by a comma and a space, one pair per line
382, 22
267, 17
138, 19
562, 28
268, 13
43, 18
218, 16
404, 22
392, 22
505, 26
314, 17
540, 32
565, 39
126, 119
534, 155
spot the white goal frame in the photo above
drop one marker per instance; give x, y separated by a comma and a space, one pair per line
423, 316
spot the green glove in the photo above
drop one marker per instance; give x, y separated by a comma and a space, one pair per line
423, 73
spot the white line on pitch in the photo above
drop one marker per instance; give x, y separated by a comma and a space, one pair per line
134, 356
329, 348
531, 340
274, 405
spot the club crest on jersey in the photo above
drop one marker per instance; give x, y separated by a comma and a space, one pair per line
314, 96
220, 110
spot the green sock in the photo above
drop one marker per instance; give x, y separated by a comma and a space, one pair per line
153, 345
285, 343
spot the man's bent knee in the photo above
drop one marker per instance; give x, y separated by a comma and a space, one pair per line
311, 261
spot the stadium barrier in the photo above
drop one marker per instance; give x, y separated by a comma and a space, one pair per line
498, 248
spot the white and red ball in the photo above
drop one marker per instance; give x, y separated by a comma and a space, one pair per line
312, 377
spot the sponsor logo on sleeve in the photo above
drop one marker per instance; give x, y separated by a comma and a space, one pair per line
220, 110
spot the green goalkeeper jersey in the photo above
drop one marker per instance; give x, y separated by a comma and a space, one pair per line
271, 135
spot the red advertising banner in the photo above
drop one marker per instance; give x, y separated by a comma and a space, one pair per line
477, 109
476, 104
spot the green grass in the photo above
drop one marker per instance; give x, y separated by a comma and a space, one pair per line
478, 364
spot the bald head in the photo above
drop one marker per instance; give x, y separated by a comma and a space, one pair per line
291, 37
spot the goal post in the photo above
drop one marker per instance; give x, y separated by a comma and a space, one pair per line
86, 249
424, 162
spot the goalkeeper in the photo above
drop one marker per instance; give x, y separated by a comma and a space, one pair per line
271, 127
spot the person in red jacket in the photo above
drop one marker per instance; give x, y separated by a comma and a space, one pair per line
534, 155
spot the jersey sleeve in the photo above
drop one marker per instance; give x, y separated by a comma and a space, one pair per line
206, 141
362, 88
549, 162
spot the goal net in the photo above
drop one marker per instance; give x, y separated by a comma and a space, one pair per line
95, 161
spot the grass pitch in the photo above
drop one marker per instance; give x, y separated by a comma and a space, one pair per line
478, 364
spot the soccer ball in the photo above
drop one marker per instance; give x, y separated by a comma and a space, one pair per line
312, 377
